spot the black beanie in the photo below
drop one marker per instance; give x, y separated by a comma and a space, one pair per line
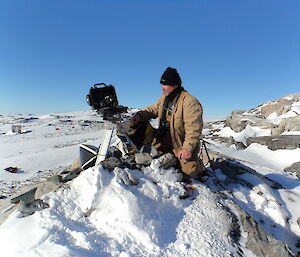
170, 77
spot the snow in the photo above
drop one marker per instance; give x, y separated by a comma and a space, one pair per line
296, 107
144, 220
97, 215
242, 136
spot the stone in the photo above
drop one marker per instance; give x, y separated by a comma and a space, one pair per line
129, 161
150, 149
294, 168
55, 178
298, 221
114, 151
46, 188
126, 177
143, 158
72, 174
167, 160
288, 142
111, 162
27, 196
29, 208
288, 124
259, 242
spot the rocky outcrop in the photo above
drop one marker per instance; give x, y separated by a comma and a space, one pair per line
288, 142
260, 116
294, 168
258, 241
279, 106
287, 125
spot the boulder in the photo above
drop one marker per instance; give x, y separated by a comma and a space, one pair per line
277, 107
167, 160
25, 197
150, 149
234, 121
258, 241
46, 188
143, 158
111, 162
72, 174
288, 142
294, 168
29, 208
287, 124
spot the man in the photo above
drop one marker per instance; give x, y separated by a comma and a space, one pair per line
180, 123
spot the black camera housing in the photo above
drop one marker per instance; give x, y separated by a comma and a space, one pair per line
102, 97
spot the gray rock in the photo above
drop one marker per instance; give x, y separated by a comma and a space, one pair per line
288, 124
55, 178
277, 142
46, 188
114, 151
143, 158
258, 241
298, 221
126, 177
72, 174
29, 208
238, 145
235, 122
150, 149
129, 161
294, 168
26, 197
167, 160
111, 162
270, 108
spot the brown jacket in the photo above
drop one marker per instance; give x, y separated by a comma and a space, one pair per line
186, 121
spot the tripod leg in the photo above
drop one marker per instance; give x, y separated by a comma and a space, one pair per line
104, 146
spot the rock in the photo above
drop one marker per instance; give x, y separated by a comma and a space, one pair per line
129, 161
150, 149
26, 197
234, 121
277, 107
258, 241
72, 174
29, 208
126, 177
143, 158
114, 151
238, 145
298, 221
167, 160
55, 178
46, 188
288, 124
111, 162
288, 142
294, 168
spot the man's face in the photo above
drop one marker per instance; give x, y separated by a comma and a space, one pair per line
168, 89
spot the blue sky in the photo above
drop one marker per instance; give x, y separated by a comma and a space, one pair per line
230, 54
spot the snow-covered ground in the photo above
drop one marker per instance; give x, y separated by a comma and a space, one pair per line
97, 215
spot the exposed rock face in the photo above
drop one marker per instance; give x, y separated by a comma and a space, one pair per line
258, 241
46, 188
288, 142
295, 168
260, 116
286, 125
279, 106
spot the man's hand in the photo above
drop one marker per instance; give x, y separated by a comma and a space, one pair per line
135, 120
185, 154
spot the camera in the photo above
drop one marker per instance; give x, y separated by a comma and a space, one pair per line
104, 100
